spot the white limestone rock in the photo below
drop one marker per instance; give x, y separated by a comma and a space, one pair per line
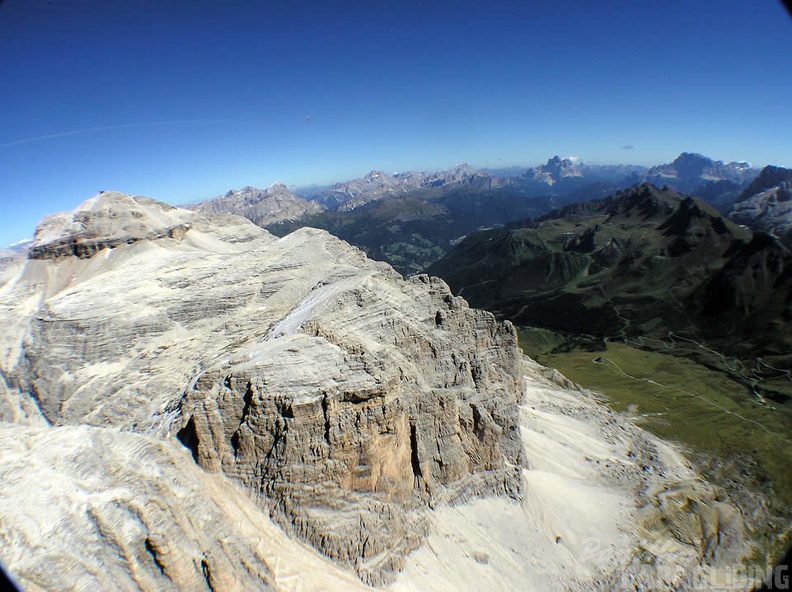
171, 378
344, 399
85, 508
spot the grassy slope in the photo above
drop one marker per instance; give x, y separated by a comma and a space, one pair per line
640, 264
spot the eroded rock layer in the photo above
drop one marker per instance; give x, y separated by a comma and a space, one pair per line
342, 398
173, 385
85, 508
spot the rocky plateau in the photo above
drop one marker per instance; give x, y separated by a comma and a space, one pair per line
188, 402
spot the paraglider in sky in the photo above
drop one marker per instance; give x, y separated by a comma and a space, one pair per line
308, 119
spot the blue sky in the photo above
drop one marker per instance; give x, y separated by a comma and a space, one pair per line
183, 100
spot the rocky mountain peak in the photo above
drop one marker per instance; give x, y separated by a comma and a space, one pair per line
691, 164
263, 207
342, 398
464, 170
381, 176
459, 175
555, 170
107, 219
645, 199
254, 194
689, 170
769, 177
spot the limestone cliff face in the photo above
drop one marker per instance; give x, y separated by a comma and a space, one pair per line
343, 399
366, 410
184, 398
106, 220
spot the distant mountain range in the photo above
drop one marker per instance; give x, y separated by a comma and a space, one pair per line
568, 179
411, 219
640, 263
262, 207
378, 185
414, 229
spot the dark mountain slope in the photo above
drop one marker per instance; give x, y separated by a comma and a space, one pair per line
412, 231
642, 262
749, 300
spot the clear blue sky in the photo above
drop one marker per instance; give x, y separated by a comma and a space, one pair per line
182, 100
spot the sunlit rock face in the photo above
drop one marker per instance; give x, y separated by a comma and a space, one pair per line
184, 398
87, 508
342, 398
119, 509
766, 204
261, 206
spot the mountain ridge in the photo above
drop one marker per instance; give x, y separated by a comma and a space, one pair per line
242, 347
617, 265
262, 207
766, 204
188, 391
411, 219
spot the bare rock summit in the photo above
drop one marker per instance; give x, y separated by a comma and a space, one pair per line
343, 399
186, 401
263, 207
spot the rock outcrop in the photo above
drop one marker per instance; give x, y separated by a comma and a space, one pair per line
174, 385
84, 508
263, 207
605, 506
766, 204
343, 399
105, 221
